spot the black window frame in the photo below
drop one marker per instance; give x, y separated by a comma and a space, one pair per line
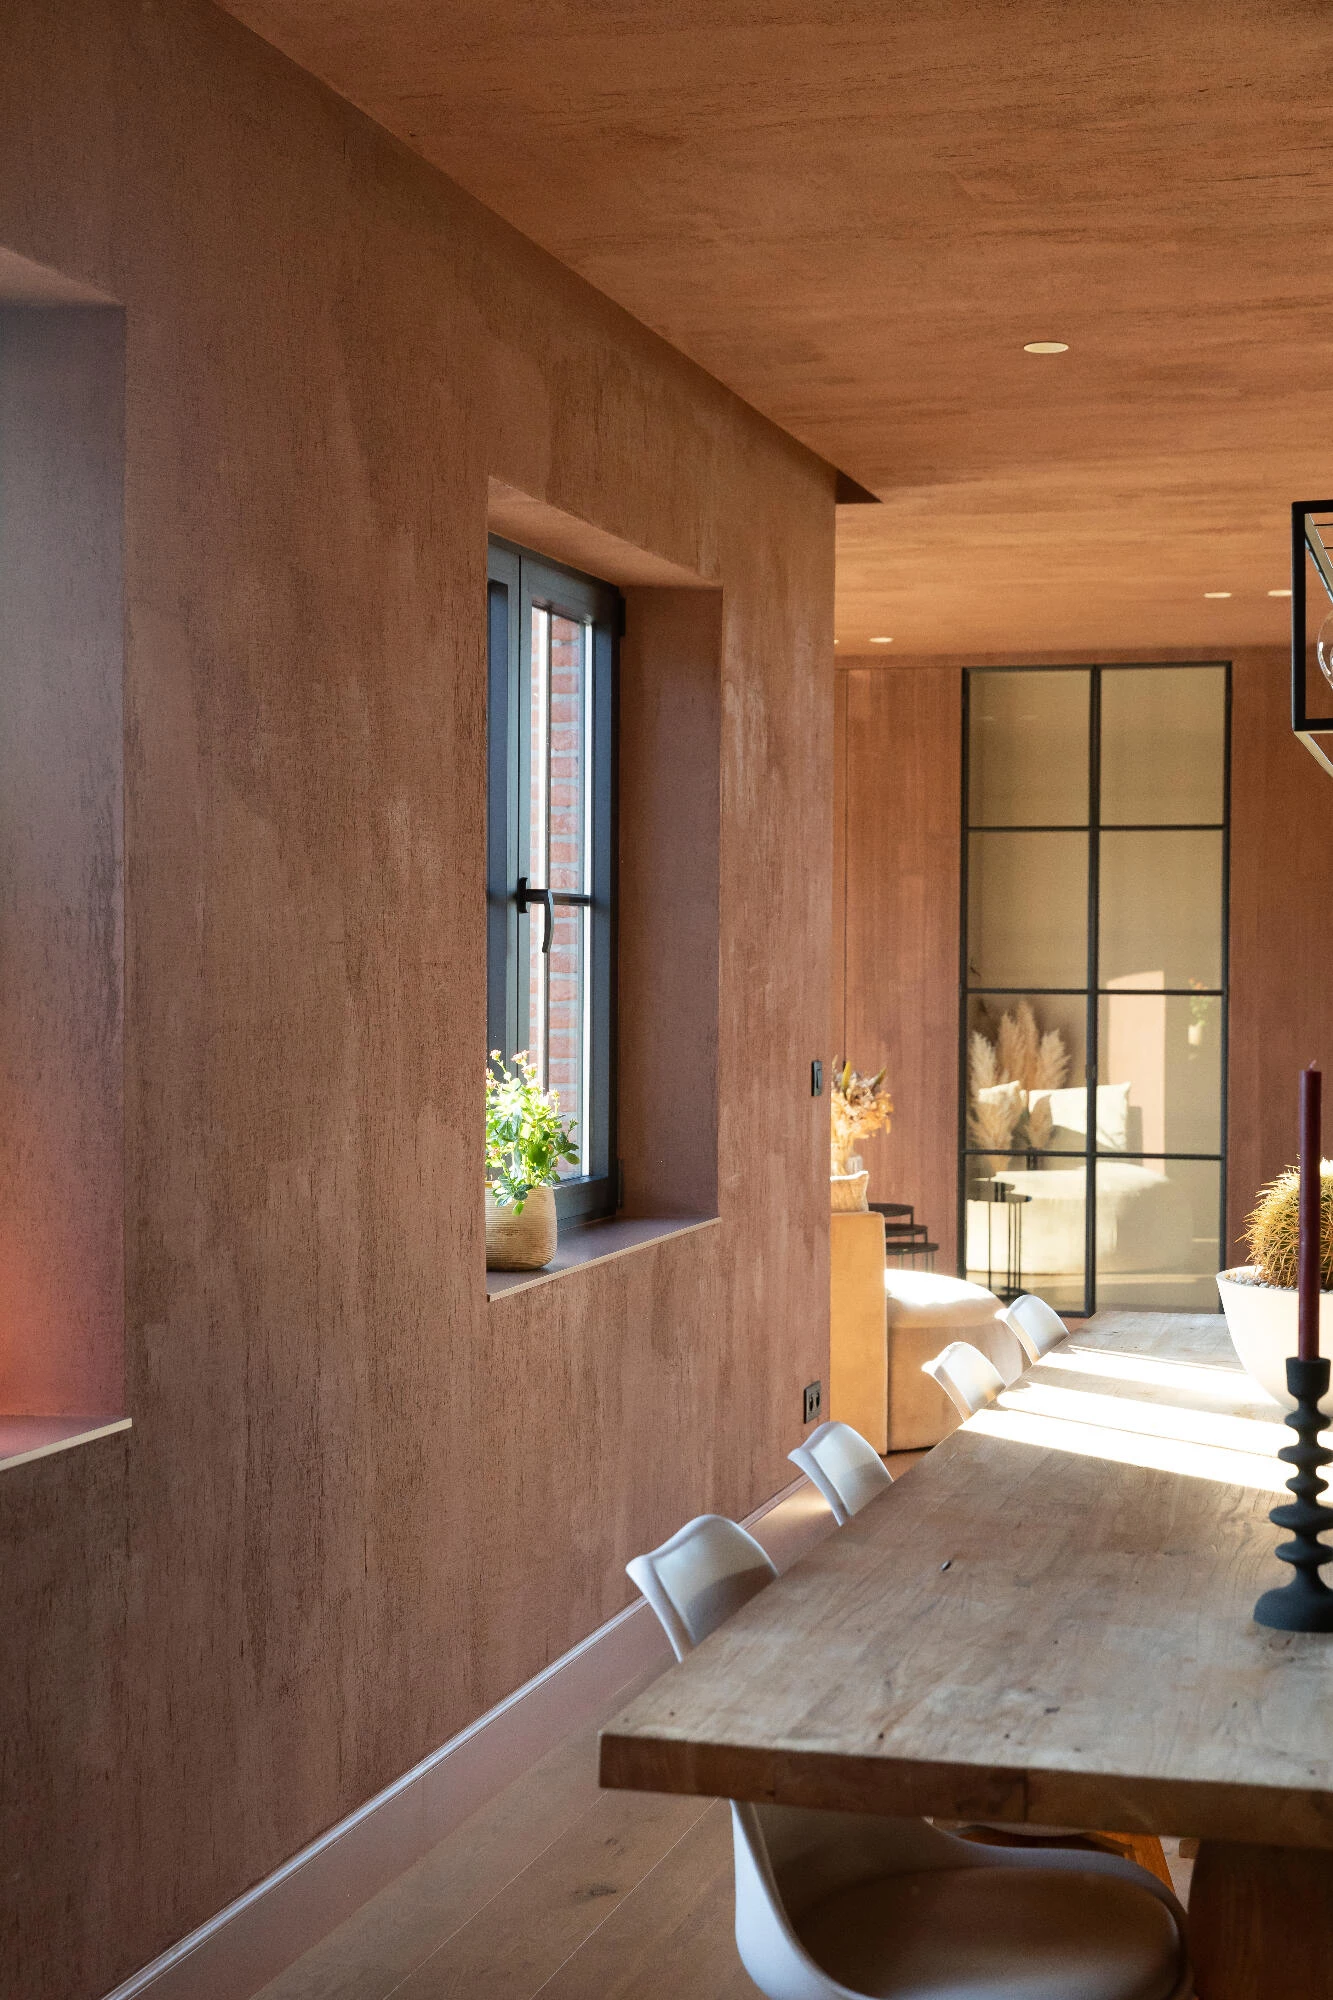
1092, 991
519, 581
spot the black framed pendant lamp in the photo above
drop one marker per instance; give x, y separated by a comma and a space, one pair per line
1312, 626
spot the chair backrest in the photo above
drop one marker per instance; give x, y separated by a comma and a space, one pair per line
1036, 1326
845, 1467
694, 1582
968, 1379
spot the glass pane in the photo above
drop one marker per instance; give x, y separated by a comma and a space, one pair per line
1027, 1069
569, 791
1162, 1061
1028, 909
559, 857
1163, 744
1027, 1096
1157, 1233
1161, 909
1318, 614
1028, 749
1025, 1230
559, 1017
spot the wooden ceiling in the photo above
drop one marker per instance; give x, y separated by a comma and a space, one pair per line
855, 212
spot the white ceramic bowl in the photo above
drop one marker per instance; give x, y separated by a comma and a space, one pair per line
1261, 1320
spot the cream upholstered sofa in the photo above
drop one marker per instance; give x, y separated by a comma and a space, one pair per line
884, 1323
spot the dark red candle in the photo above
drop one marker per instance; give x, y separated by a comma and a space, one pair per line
1307, 1255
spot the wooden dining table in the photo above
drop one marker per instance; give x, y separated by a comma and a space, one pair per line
1049, 1620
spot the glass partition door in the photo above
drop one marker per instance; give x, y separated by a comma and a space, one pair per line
1093, 1057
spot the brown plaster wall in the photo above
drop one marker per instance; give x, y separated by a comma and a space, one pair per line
670, 730
896, 922
359, 1505
899, 929
1281, 928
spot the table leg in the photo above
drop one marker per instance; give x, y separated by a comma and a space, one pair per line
1261, 1922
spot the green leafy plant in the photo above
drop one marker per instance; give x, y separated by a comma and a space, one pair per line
526, 1138
1273, 1230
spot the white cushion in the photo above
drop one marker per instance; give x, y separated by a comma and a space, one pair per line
926, 1298
1069, 1115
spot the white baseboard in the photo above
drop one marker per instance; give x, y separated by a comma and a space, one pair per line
249, 1942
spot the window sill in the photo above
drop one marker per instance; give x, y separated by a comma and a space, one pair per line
597, 1243
23, 1439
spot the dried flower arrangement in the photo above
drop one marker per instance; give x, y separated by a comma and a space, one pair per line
1003, 1071
858, 1107
1273, 1229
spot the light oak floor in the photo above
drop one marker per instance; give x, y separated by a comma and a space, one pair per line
554, 1888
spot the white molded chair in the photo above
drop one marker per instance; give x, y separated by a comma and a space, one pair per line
1036, 1326
966, 1376
844, 1466
853, 1906
707, 1570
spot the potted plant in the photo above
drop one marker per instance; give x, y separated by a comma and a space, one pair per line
527, 1141
858, 1107
1259, 1299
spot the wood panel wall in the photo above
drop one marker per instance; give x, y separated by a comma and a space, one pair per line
896, 921
359, 1504
899, 731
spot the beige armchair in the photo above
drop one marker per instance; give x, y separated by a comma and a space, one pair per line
884, 1323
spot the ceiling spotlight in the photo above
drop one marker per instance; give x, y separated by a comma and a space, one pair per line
1217, 593
1279, 593
881, 642
1045, 347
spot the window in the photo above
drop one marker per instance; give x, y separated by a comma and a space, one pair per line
550, 889
1095, 829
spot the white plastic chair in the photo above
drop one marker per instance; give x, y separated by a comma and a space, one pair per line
844, 1466
852, 1906
968, 1379
707, 1570
1036, 1326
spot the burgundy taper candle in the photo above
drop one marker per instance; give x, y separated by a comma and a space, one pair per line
1307, 1254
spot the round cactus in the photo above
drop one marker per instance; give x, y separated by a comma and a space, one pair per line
1273, 1230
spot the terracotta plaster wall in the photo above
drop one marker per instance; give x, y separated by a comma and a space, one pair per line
358, 1504
897, 847
1281, 928
896, 925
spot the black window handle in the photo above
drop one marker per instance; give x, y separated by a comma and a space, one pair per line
526, 894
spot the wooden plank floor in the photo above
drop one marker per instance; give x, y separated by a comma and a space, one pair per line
554, 1888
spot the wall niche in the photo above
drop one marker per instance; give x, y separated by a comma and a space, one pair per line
61, 863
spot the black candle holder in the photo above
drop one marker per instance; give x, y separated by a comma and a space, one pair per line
1306, 1603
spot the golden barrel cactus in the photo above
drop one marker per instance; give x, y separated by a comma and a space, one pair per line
1273, 1230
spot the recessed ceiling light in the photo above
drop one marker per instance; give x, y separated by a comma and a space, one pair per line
1045, 347
1279, 593
1217, 593
881, 642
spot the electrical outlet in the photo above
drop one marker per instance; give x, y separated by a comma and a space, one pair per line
813, 1403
